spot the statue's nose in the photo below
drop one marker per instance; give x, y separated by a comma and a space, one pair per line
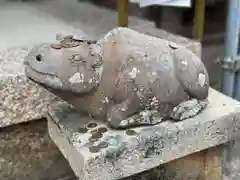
39, 57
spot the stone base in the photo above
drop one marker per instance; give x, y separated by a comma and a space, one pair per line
27, 153
112, 155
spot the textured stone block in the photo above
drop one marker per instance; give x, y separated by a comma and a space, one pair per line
27, 153
95, 154
21, 100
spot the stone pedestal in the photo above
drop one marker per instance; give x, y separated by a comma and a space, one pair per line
190, 149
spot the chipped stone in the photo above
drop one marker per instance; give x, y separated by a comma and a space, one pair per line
201, 79
123, 123
106, 100
133, 73
77, 78
154, 73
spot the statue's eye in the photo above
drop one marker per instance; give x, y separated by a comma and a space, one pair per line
39, 57
172, 47
94, 66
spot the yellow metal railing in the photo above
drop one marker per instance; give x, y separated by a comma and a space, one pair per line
199, 20
199, 17
122, 13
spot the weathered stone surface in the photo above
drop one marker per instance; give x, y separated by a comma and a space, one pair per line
21, 100
27, 153
141, 148
159, 76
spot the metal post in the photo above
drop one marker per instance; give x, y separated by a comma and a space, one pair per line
199, 20
122, 6
231, 76
236, 43
231, 46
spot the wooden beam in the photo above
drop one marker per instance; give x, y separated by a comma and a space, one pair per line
122, 13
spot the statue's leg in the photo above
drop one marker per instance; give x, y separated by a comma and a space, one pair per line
127, 114
188, 109
146, 117
117, 114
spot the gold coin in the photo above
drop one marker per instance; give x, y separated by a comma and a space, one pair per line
97, 135
56, 46
131, 132
94, 149
102, 129
92, 125
68, 43
91, 139
103, 145
82, 130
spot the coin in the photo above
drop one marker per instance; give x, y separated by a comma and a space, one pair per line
56, 46
78, 38
94, 131
103, 145
66, 43
92, 125
102, 129
97, 135
69, 44
131, 132
91, 139
94, 149
82, 130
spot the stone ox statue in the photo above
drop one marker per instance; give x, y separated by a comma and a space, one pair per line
125, 78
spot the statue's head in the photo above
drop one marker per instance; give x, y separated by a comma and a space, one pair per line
69, 65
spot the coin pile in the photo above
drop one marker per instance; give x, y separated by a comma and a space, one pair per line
69, 41
97, 134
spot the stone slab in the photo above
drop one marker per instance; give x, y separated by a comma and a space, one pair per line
147, 147
28, 153
21, 100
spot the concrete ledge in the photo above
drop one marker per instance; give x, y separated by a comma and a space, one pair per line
140, 149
